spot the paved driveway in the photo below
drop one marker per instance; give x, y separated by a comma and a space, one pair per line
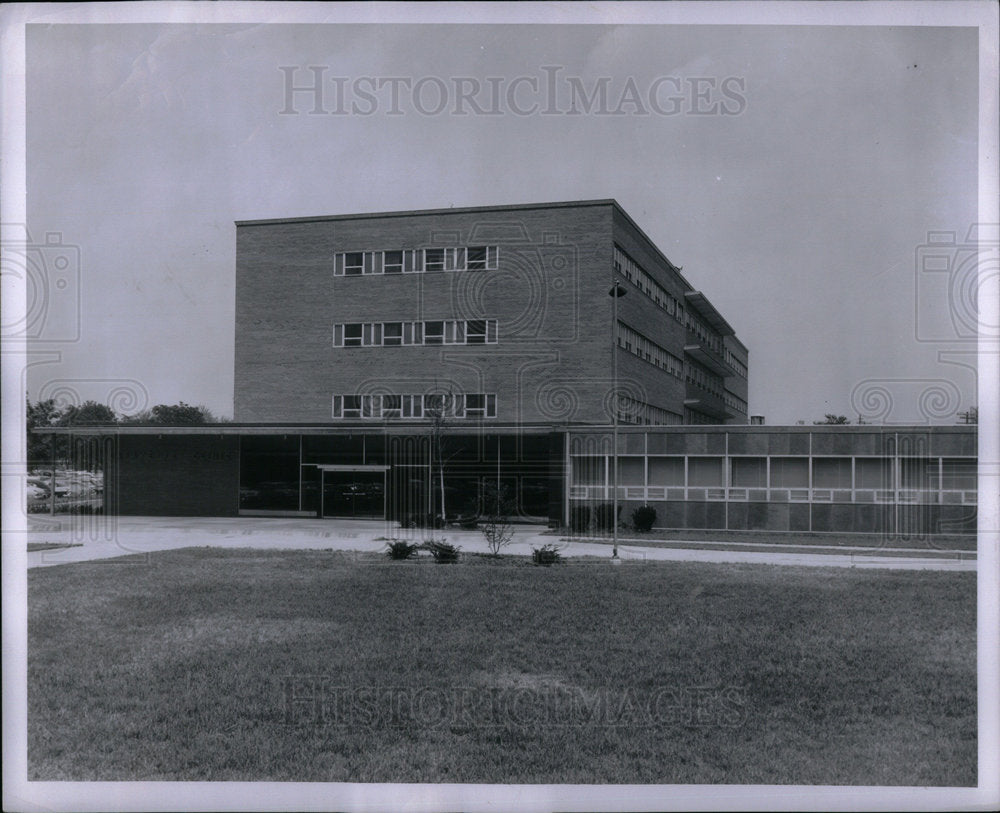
97, 537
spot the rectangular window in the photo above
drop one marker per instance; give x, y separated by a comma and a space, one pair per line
412, 406
919, 473
338, 335
353, 334
369, 404
454, 259
392, 262
491, 405
454, 332
477, 258
367, 334
831, 472
475, 331
392, 334
436, 404
873, 472
433, 332
789, 472
352, 406
588, 471
958, 474
433, 259
631, 471
475, 406
392, 406
354, 263
491, 331
666, 471
704, 471
749, 472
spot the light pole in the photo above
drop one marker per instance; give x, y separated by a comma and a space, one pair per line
616, 292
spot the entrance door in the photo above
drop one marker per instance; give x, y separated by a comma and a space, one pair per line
354, 494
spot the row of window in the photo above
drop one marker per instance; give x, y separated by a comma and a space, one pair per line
705, 334
397, 334
451, 405
735, 363
934, 473
638, 345
735, 403
638, 412
701, 378
635, 274
416, 261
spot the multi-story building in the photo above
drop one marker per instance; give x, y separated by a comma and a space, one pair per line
391, 365
496, 314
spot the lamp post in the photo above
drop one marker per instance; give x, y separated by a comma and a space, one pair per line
616, 292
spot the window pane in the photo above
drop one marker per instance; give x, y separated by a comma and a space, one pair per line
749, 472
391, 406
666, 471
873, 472
831, 472
588, 471
392, 262
352, 335
918, 472
434, 259
433, 332
352, 406
789, 472
392, 333
354, 263
631, 471
705, 471
475, 331
477, 258
958, 474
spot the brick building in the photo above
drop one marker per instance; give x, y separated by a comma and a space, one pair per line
499, 313
391, 365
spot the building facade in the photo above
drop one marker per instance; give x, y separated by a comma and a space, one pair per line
393, 366
493, 314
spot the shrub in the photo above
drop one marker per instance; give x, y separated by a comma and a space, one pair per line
400, 549
603, 514
441, 550
643, 518
546, 555
579, 518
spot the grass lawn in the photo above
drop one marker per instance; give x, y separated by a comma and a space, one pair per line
212, 664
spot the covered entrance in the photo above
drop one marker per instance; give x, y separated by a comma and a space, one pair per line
354, 492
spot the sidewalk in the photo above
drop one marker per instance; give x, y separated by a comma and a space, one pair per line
97, 537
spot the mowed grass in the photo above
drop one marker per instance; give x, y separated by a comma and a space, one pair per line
178, 666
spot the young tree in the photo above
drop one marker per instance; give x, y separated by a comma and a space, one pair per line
497, 509
438, 410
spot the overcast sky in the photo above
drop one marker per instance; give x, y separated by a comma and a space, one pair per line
798, 204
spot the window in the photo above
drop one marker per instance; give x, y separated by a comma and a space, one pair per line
392, 334
958, 474
831, 472
352, 335
392, 262
352, 406
705, 471
873, 472
392, 406
631, 471
433, 332
588, 471
475, 406
412, 406
433, 259
477, 258
749, 472
354, 263
475, 331
454, 332
789, 472
666, 471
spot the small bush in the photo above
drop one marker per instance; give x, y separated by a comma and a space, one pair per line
643, 518
400, 549
442, 551
579, 518
603, 514
546, 555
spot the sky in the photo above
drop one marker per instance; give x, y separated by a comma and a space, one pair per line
800, 201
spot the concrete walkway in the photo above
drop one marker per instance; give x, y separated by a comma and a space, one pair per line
98, 537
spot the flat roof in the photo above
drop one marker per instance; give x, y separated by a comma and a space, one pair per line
709, 313
451, 210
